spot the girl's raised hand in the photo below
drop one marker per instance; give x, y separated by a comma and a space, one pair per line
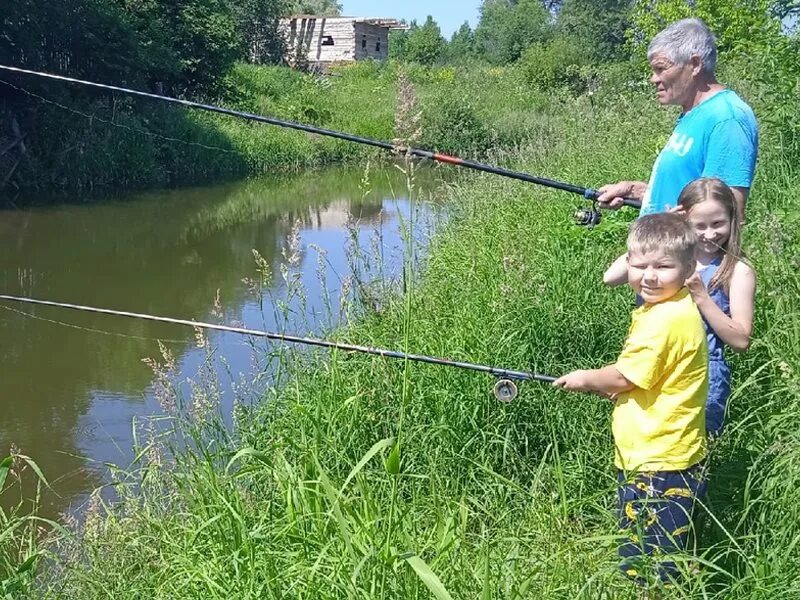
678, 210
696, 286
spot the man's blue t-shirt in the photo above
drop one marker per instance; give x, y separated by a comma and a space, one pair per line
717, 138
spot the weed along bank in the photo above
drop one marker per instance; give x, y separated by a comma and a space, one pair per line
319, 42
320, 362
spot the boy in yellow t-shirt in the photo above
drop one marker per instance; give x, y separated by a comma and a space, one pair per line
659, 383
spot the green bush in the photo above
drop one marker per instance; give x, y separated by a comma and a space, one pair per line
506, 29
560, 64
450, 123
624, 77
737, 24
767, 77
251, 81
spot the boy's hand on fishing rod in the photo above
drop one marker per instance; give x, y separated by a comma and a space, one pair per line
606, 382
577, 381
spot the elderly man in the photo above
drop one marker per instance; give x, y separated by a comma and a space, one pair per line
716, 134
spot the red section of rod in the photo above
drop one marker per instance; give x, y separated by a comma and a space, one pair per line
446, 158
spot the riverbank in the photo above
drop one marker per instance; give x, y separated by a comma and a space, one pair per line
111, 143
366, 478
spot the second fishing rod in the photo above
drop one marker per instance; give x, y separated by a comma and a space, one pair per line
588, 217
505, 389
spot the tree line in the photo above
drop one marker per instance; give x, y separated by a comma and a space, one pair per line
194, 49
170, 45
587, 30
177, 45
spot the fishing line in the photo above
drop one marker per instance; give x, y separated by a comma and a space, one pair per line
93, 330
740, 257
505, 389
588, 193
94, 117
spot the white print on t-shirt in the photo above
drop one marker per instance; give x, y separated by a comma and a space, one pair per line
680, 143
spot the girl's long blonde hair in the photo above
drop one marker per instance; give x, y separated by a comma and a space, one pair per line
711, 188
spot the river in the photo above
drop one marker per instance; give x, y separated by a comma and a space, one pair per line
73, 383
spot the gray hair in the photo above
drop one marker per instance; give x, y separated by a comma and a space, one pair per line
684, 39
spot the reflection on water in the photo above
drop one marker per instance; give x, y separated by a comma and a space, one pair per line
72, 382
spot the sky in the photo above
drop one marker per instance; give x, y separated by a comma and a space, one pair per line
449, 14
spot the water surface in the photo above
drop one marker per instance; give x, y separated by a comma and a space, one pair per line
72, 382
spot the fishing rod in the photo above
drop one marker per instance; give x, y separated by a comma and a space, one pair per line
505, 389
590, 217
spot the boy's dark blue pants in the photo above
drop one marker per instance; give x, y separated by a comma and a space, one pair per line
655, 514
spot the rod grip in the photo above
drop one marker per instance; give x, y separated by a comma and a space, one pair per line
632, 202
591, 194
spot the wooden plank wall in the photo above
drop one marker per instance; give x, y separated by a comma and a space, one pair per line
351, 40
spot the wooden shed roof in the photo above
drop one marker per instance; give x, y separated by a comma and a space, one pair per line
387, 22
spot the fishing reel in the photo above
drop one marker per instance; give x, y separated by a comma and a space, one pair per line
588, 217
505, 390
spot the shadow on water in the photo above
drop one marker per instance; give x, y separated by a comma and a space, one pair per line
72, 382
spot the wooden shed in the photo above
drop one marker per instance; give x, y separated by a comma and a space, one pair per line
322, 41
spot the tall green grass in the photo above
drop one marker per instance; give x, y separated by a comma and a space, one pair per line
22, 533
363, 477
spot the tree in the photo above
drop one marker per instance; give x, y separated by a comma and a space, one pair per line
598, 25
322, 8
398, 41
180, 45
204, 35
257, 21
785, 8
552, 6
83, 38
737, 24
462, 43
507, 27
424, 44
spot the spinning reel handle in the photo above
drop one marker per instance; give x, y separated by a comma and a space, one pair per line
587, 217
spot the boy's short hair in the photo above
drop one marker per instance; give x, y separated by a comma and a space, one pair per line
669, 232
